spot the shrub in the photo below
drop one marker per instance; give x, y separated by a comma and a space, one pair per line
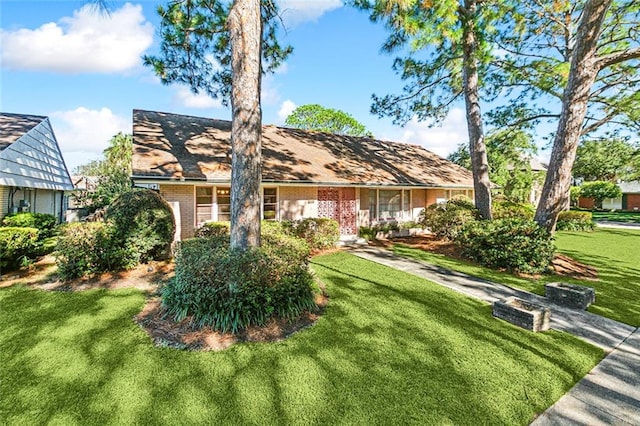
319, 233
18, 246
43, 222
599, 190
447, 219
231, 289
517, 245
575, 221
213, 229
144, 221
508, 209
87, 248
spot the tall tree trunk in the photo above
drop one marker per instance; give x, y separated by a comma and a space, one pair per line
245, 32
477, 147
582, 74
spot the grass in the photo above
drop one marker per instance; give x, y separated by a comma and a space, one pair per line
614, 252
617, 216
391, 348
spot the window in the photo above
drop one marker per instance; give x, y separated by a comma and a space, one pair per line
389, 205
406, 204
223, 196
373, 205
269, 203
204, 204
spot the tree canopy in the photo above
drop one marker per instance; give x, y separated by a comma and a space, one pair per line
111, 173
223, 48
317, 117
195, 46
446, 59
608, 160
509, 155
599, 190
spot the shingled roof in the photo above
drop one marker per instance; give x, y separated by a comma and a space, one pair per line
13, 126
179, 147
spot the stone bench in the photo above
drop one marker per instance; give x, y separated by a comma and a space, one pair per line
528, 315
570, 295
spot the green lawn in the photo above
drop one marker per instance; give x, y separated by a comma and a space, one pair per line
627, 217
614, 252
390, 349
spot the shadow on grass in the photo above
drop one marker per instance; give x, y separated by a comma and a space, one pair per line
391, 348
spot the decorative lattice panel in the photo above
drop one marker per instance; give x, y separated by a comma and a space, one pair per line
347, 211
328, 203
339, 204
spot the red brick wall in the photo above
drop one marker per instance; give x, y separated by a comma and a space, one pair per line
585, 203
633, 201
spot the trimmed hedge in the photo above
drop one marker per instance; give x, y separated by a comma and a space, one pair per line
18, 246
213, 229
518, 245
509, 209
43, 222
575, 221
230, 289
144, 221
319, 233
447, 219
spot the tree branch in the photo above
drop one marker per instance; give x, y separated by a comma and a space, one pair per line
618, 57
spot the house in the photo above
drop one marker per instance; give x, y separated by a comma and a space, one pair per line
357, 181
33, 175
630, 199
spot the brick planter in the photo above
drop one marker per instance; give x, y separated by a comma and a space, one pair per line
528, 315
570, 295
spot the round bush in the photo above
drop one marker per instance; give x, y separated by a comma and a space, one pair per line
518, 245
447, 219
144, 221
18, 246
88, 248
319, 233
45, 223
231, 289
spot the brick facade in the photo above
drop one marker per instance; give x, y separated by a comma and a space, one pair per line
182, 200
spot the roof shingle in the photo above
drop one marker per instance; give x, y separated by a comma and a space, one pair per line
14, 126
191, 148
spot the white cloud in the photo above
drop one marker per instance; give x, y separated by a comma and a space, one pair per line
187, 98
269, 91
295, 12
443, 139
286, 108
89, 41
83, 133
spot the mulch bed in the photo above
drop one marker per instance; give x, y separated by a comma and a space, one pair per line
184, 335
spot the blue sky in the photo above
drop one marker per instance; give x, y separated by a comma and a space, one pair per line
83, 69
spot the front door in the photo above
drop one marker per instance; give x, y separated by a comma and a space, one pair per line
339, 204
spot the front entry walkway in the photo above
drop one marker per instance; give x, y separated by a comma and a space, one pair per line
609, 394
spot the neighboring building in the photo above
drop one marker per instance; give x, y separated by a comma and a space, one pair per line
357, 181
33, 175
630, 199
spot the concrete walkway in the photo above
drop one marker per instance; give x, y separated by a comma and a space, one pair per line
619, 225
609, 394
